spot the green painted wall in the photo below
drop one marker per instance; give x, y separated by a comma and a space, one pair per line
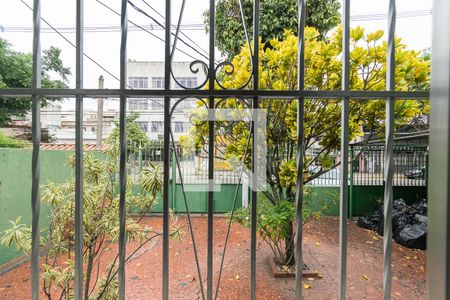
15, 187
197, 201
15, 192
366, 199
324, 198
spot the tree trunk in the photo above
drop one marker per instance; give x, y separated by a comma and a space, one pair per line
289, 245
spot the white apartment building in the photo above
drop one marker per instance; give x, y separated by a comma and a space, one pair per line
150, 75
59, 117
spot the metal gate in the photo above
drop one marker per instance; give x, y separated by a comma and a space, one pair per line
439, 173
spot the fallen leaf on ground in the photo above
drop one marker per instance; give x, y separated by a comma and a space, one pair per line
317, 244
306, 286
365, 277
237, 277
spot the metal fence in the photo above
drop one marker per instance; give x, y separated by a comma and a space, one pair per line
193, 169
410, 165
367, 163
439, 264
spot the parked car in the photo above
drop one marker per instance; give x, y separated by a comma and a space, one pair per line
415, 173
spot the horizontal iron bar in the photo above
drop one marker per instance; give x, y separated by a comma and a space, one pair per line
28, 92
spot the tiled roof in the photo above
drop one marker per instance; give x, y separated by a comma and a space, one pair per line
69, 147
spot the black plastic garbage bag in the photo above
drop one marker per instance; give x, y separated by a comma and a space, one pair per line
368, 222
380, 213
399, 221
420, 218
413, 236
400, 204
409, 223
421, 207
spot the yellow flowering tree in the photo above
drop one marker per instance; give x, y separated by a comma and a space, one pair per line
323, 68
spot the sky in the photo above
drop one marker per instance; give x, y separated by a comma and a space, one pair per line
102, 33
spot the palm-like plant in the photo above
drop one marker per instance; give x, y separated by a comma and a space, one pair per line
100, 226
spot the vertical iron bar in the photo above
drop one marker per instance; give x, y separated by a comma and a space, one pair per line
177, 32
351, 182
36, 164
166, 155
176, 165
438, 254
388, 192
300, 134
123, 148
212, 14
254, 193
344, 152
79, 241
233, 208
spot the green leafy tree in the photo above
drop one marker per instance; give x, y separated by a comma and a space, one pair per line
278, 71
136, 138
100, 227
276, 16
16, 72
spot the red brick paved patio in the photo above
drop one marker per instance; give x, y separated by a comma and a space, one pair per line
321, 252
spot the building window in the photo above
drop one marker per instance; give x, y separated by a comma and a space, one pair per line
188, 82
158, 82
157, 126
181, 127
138, 82
138, 104
156, 104
143, 126
187, 104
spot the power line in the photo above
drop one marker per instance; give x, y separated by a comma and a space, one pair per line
181, 26
383, 16
84, 54
149, 32
162, 26
194, 26
96, 28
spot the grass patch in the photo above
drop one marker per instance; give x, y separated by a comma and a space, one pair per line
9, 142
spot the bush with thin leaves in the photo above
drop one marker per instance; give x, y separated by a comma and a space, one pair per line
100, 227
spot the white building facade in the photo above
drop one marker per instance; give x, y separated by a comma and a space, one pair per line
150, 75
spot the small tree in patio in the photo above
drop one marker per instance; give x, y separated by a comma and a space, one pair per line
100, 227
278, 71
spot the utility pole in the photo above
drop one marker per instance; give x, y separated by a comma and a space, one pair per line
100, 114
